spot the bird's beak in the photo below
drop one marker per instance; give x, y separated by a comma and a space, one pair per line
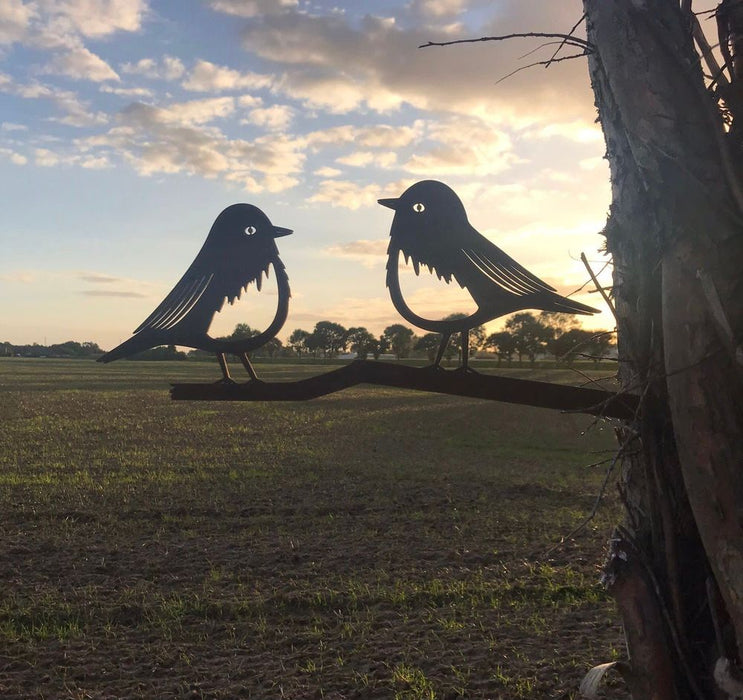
279, 231
389, 203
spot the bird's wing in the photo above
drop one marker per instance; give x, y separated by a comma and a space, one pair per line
498, 267
224, 273
179, 301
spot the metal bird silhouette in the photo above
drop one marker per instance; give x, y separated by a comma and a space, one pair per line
238, 251
431, 228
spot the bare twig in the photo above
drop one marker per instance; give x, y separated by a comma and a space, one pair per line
600, 289
569, 40
600, 497
541, 63
706, 51
589, 280
539, 48
570, 33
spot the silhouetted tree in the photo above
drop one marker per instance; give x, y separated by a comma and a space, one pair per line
428, 343
361, 342
329, 337
298, 341
503, 344
242, 331
400, 339
529, 333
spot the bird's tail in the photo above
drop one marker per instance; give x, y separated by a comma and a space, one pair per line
570, 306
137, 343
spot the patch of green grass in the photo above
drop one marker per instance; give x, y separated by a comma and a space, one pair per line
374, 542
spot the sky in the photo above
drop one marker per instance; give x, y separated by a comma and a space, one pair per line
126, 126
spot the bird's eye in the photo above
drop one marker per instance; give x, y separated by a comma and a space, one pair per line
418, 207
250, 230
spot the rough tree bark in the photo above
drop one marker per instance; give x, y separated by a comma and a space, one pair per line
675, 232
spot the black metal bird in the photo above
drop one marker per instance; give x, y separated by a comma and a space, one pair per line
431, 228
238, 251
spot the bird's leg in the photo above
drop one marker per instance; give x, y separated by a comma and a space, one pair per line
226, 379
246, 363
444, 342
466, 353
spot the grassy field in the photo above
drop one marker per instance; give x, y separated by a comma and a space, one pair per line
370, 544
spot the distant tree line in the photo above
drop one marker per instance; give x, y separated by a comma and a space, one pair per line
524, 336
71, 348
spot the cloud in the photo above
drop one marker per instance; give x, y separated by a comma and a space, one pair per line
327, 172
166, 68
13, 157
96, 18
209, 77
46, 158
20, 276
342, 193
81, 64
126, 92
75, 112
179, 138
376, 136
363, 159
274, 118
252, 8
92, 163
112, 293
99, 278
370, 253
333, 65
15, 20
579, 131
438, 8
106, 285
198, 111
10, 126
464, 146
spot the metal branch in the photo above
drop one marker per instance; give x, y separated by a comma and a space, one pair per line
472, 384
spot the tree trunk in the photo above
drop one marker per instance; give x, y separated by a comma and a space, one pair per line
675, 232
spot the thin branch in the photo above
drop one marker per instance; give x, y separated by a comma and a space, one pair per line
597, 502
589, 280
706, 51
541, 63
569, 40
561, 397
570, 33
600, 289
539, 48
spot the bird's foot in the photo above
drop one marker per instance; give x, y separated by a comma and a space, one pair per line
433, 368
466, 370
226, 381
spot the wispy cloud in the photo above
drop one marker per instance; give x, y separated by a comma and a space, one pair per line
165, 68
112, 293
80, 63
370, 253
209, 77
253, 8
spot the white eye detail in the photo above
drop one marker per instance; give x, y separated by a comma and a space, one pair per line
418, 208
250, 230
